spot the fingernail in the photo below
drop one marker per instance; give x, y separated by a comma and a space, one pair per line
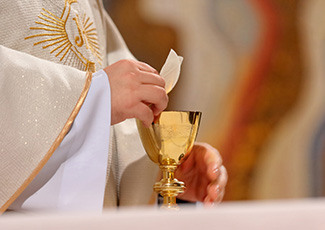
208, 203
217, 189
216, 169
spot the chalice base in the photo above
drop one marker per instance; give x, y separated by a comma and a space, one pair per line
169, 187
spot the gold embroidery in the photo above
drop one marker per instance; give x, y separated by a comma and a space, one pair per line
56, 36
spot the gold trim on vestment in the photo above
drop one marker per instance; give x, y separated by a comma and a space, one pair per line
57, 141
52, 33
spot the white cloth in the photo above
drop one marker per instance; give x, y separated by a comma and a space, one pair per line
75, 176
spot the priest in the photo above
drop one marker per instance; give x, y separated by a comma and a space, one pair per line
69, 93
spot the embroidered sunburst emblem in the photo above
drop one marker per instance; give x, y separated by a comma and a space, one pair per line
57, 39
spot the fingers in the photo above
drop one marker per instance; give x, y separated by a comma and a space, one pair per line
211, 158
156, 96
151, 79
204, 175
144, 114
149, 75
137, 91
152, 91
209, 202
216, 189
145, 67
149, 101
213, 162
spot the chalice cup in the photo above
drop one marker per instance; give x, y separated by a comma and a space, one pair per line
167, 142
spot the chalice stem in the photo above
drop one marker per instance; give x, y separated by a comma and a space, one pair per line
168, 172
169, 201
169, 187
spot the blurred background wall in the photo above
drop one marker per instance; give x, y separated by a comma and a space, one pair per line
256, 69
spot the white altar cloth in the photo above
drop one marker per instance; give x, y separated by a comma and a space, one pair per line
280, 214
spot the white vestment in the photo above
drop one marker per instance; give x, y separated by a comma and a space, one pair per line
45, 49
74, 177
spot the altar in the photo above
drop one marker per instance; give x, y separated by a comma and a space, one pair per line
260, 215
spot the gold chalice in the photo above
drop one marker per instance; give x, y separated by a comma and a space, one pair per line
167, 141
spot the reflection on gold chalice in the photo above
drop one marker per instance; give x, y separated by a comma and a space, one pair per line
167, 141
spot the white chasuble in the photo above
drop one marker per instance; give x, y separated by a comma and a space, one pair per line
74, 177
46, 47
